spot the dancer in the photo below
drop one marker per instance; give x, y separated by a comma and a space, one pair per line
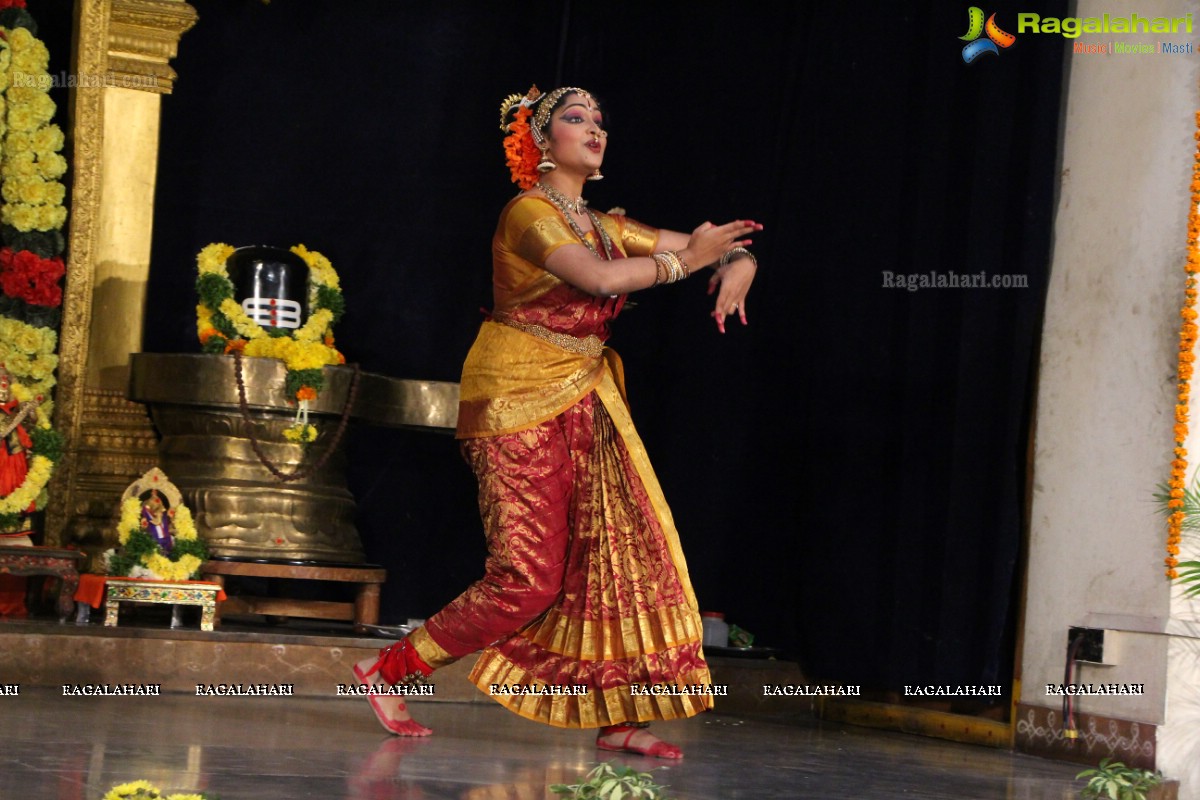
585, 606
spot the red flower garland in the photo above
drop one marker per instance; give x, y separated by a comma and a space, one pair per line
27, 276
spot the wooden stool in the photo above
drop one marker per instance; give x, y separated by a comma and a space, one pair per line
189, 593
61, 564
363, 611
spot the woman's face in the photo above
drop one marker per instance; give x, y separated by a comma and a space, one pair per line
576, 135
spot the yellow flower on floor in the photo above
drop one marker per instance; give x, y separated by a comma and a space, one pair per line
144, 790
135, 789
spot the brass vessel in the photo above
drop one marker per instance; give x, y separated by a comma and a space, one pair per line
241, 509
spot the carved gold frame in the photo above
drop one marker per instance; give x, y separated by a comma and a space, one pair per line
113, 161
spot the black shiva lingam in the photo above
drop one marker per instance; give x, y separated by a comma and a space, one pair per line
271, 284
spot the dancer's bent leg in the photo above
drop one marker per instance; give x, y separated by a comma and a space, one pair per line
525, 484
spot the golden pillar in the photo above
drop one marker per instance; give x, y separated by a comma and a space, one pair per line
121, 57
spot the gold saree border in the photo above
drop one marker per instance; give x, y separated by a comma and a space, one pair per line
596, 709
430, 651
615, 639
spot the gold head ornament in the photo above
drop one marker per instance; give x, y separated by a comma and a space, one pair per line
541, 119
531, 97
545, 104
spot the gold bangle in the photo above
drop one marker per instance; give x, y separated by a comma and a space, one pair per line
677, 269
737, 252
683, 264
672, 266
660, 270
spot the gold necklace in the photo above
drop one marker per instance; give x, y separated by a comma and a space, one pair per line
565, 205
561, 200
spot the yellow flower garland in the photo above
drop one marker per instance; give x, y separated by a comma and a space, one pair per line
27, 354
185, 528
1187, 342
309, 347
33, 198
30, 489
30, 163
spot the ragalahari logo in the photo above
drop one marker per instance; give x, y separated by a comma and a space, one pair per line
976, 27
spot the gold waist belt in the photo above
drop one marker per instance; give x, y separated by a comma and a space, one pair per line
588, 346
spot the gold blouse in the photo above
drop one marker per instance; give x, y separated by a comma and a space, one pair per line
513, 380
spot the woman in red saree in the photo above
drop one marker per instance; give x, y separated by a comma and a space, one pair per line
585, 615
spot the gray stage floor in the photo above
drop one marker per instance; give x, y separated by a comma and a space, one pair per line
59, 748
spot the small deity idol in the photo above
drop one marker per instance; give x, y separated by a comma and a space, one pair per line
156, 520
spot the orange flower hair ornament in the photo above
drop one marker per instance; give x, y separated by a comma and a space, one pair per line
520, 150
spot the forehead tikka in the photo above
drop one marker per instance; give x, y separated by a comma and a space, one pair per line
546, 104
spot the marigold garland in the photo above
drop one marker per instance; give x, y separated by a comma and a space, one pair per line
1187, 342
31, 265
223, 327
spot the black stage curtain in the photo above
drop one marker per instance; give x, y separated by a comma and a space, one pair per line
847, 472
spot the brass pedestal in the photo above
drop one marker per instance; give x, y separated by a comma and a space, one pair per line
241, 509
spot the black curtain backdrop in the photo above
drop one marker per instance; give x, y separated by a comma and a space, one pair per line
847, 471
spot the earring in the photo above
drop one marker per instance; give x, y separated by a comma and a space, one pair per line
546, 164
595, 176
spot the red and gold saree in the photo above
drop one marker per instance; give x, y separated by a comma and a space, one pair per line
585, 588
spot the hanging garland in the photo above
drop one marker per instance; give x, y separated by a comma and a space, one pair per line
27, 352
32, 215
224, 327
1187, 342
